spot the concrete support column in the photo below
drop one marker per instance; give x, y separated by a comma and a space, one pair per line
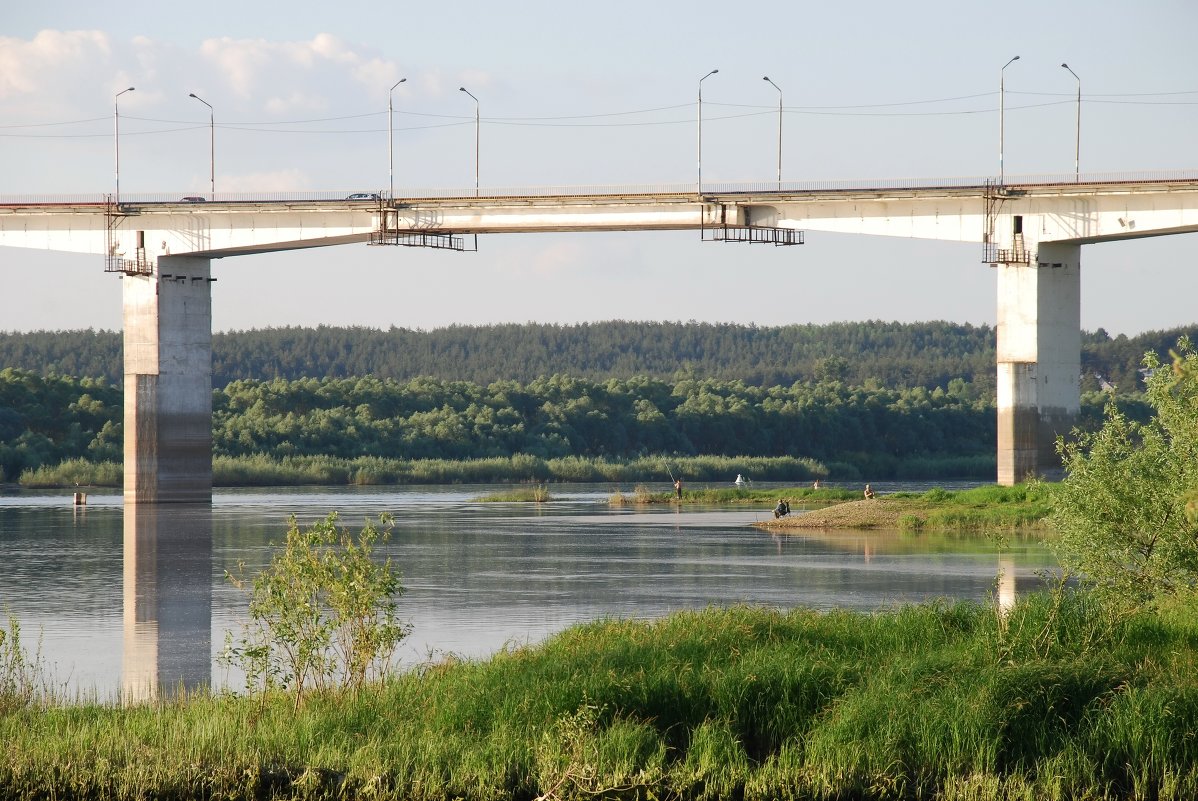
168, 382
1039, 360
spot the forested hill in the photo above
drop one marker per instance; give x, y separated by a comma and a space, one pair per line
890, 354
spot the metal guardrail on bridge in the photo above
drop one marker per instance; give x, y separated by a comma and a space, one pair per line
758, 187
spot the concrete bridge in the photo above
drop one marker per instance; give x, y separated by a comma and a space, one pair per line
1030, 230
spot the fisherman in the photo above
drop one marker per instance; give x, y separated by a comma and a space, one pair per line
782, 509
869, 493
678, 488
740, 480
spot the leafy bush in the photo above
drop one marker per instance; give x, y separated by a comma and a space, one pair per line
1122, 509
322, 614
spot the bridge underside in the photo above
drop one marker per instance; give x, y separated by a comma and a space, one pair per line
168, 372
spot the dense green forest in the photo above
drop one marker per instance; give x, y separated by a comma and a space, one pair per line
896, 355
849, 429
853, 395
46, 420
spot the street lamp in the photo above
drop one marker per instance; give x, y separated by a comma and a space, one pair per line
1077, 145
771, 83
211, 142
699, 184
1001, 96
464, 89
391, 143
116, 116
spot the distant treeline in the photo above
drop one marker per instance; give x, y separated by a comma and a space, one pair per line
848, 430
47, 420
878, 353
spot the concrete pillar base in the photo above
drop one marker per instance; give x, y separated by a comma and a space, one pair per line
168, 382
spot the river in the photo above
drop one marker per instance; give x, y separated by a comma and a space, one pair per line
135, 600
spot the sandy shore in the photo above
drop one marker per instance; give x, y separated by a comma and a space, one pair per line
873, 513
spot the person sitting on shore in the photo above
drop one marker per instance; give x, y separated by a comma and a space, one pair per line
869, 493
740, 480
782, 509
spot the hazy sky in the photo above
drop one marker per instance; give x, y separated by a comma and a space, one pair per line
595, 93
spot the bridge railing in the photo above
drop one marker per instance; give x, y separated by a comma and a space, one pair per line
714, 188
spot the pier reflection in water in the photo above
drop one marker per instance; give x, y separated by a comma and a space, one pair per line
167, 600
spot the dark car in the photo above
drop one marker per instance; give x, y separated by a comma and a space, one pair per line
194, 199
364, 196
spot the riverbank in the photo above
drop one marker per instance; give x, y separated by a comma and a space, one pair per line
331, 471
734, 496
1054, 699
987, 508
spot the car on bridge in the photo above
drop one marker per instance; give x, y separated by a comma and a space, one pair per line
194, 199
364, 196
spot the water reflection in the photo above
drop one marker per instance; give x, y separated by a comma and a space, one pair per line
167, 600
1006, 585
479, 575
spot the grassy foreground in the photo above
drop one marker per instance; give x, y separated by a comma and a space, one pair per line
947, 702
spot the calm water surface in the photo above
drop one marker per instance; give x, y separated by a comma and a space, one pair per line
135, 599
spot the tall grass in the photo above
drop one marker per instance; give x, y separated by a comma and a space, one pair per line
989, 507
74, 473
538, 493
1056, 699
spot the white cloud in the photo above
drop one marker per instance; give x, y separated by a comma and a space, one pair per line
240, 60
296, 101
27, 66
250, 63
291, 180
376, 73
546, 260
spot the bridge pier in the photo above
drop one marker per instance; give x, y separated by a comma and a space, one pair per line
1039, 360
168, 382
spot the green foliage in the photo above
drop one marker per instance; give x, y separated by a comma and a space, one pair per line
46, 419
322, 614
563, 416
1122, 510
877, 400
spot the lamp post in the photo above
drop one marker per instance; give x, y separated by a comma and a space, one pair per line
1001, 96
1077, 144
211, 143
464, 89
699, 183
391, 143
116, 116
771, 83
